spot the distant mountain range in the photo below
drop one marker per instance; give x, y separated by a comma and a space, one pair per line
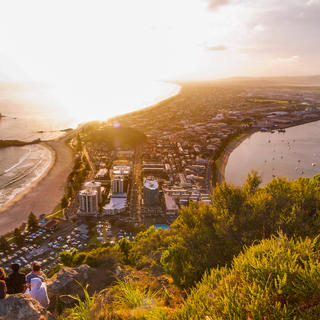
288, 80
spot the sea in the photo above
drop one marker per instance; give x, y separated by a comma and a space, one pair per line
33, 111
291, 154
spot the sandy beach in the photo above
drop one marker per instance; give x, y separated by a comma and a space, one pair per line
225, 156
44, 194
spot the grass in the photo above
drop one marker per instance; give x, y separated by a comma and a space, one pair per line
56, 212
129, 302
129, 294
88, 308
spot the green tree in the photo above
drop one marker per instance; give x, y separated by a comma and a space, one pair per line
17, 237
64, 202
67, 257
203, 237
124, 246
33, 222
4, 244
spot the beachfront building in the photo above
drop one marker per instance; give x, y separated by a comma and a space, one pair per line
117, 184
117, 204
88, 200
94, 185
150, 192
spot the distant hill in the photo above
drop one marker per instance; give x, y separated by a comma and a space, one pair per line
116, 137
283, 81
313, 81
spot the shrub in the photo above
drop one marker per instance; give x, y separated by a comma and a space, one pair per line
276, 279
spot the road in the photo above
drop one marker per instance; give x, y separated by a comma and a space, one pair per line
135, 194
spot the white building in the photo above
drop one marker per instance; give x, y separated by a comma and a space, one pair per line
150, 192
94, 185
115, 206
88, 200
121, 170
117, 185
171, 206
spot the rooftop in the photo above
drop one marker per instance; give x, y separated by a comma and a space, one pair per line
151, 184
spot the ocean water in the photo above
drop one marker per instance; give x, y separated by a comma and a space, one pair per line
42, 111
19, 167
292, 154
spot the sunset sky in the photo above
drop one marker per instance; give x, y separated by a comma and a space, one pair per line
109, 40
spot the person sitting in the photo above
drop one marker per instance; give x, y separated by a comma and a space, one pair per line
35, 273
38, 291
3, 286
16, 281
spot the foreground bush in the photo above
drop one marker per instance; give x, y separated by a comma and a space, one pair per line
203, 237
276, 279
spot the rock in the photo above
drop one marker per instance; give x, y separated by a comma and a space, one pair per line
65, 283
22, 306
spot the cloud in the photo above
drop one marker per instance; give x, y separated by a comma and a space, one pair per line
259, 27
288, 60
312, 2
217, 48
215, 4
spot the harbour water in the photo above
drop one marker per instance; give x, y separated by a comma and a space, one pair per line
33, 112
292, 154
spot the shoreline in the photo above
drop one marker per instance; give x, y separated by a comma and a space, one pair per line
43, 194
34, 182
52, 180
223, 159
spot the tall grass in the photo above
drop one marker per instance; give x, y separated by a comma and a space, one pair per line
128, 294
87, 308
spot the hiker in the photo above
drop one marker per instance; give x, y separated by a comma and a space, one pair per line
35, 273
16, 281
3, 286
38, 291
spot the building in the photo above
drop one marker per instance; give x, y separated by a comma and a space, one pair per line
171, 206
88, 200
150, 192
115, 206
122, 170
94, 185
102, 176
117, 185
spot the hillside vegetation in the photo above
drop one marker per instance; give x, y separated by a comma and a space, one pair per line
253, 255
113, 137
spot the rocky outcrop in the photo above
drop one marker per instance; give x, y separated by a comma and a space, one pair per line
65, 283
21, 307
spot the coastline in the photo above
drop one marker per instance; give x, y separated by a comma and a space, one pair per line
34, 182
43, 194
223, 159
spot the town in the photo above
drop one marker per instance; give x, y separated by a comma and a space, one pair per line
139, 169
